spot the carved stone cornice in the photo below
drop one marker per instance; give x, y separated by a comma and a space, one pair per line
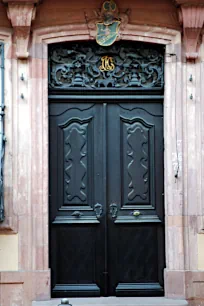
192, 20
188, 2
21, 13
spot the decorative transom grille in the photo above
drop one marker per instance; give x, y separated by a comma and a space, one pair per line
120, 66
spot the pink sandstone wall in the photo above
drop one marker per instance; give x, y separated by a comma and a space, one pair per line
157, 12
4, 22
26, 181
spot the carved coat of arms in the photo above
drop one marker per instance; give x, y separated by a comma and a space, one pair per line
108, 23
108, 29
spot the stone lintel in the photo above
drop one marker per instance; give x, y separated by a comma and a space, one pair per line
192, 20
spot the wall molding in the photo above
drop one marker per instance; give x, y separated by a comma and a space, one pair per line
69, 32
38, 66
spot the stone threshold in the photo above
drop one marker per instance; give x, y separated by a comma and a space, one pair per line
116, 301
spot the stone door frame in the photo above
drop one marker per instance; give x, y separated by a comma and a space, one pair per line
32, 206
172, 109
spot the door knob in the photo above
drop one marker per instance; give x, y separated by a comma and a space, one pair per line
65, 301
136, 213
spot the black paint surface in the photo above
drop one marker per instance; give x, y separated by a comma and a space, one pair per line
106, 161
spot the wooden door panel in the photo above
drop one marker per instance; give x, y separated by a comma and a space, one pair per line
135, 196
144, 241
106, 164
76, 263
137, 154
136, 271
77, 211
75, 161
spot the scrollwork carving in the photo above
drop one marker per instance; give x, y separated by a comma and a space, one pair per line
77, 66
76, 163
138, 154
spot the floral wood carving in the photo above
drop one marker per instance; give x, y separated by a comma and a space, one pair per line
192, 19
79, 65
21, 16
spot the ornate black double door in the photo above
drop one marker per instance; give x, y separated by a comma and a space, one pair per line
106, 198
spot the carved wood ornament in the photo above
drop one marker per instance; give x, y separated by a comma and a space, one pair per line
192, 19
21, 15
122, 65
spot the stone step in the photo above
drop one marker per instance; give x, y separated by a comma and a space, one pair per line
116, 301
